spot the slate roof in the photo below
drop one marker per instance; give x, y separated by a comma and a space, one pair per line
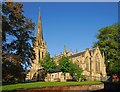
81, 53
77, 54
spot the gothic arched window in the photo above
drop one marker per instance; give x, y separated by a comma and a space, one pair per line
97, 64
87, 61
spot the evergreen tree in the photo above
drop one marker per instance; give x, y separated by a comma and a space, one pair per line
17, 33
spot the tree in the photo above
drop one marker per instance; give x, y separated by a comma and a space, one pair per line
66, 65
12, 72
48, 63
78, 72
109, 43
17, 34
75, 71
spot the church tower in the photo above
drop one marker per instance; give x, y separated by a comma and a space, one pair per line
40, 50
39, 45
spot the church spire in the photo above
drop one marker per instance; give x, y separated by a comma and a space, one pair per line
39, 34
65, 51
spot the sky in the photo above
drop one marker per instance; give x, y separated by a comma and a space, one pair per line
72, 24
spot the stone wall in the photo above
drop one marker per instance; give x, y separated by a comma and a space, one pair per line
79, 88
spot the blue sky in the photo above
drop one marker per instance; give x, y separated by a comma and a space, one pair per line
72, 24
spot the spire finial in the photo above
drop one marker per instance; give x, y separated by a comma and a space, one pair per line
38, 14
65, 49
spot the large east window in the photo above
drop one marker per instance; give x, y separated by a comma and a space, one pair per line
97, 64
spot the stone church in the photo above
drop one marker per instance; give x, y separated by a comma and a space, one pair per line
92, 61
40, 49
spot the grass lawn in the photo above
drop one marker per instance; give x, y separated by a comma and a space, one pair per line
44, 84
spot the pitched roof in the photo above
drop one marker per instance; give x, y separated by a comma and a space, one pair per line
82, 53
77, 54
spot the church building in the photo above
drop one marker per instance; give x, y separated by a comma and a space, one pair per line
40, 49
92, 61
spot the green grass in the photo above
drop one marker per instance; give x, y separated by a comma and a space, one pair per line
44, 84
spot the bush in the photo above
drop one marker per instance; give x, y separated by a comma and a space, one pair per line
83, 78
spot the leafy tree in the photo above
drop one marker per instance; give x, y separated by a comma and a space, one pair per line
17, 33
109, 43
48, 63
78, 72
75, 71
66, 65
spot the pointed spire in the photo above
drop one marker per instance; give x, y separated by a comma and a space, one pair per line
65, 49
39, 21
39, 34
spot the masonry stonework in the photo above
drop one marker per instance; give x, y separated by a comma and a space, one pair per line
40, 50
92, 61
